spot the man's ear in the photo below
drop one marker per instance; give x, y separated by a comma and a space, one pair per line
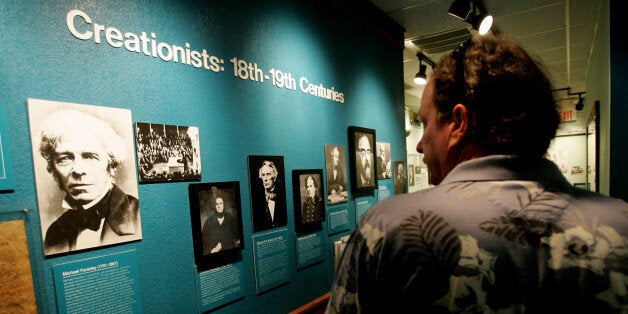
460, 122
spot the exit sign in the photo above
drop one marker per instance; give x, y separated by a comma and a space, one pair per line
568, 115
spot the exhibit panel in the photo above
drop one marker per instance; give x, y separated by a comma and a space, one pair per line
225, 81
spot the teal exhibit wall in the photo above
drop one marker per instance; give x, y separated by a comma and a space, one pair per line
237, 111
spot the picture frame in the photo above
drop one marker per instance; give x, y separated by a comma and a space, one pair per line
400, 177
336, 172
104, 134
218, 240
182, 161
362, 149
309, 203
267, 186
384, 163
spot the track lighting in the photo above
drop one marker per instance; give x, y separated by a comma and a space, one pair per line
472, 12
421, 77
580, 103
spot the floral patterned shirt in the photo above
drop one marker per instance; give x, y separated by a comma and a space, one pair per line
497, 235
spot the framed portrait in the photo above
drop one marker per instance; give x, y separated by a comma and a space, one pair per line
268, 192
309, 206
85, 175
401, 177
216, 216
362, 147
384, 166
336, 172
167, 153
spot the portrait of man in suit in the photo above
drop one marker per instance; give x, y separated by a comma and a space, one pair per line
336, 172
383, 160
268, 192
85, 200
364, 160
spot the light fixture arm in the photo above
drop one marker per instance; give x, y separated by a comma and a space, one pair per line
423, 58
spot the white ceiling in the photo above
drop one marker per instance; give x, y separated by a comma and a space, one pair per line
544, 27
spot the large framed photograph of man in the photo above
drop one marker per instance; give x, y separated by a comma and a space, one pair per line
216, 216
309, 206
336, 172
268, 192
167, 153
85, 175
362, 147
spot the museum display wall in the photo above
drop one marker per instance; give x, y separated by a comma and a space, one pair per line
233, 82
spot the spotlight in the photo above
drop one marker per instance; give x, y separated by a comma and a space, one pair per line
467, 10
421, 77
482, 23
580, 104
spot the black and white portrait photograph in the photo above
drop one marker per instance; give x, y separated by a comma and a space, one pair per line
309, 206
216, 221
85, 175
362, 145
401, 177
336, 172
167, 153
268, 192
383, 161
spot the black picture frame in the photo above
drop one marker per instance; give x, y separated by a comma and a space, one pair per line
363, 176
261, 220
203, 197
309, 211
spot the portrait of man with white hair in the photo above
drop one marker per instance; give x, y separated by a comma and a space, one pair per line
85, 175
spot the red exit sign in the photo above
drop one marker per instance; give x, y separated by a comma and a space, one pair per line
568, 115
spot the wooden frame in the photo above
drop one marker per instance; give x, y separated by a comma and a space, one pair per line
309, 210
213, 245
362, 147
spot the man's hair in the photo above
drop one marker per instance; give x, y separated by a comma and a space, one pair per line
69, 121
509, 96
271, 165
314, 181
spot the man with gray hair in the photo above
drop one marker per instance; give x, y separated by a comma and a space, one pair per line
83, 154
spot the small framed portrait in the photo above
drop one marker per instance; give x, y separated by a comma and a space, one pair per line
167, 153
309, 206
362, 147
268, 192
384, 166
216, 216
401, 177
336, 171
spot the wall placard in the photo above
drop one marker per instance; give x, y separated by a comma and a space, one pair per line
6, 174
90, 285
272, 261
338, 219
219, 286
309, 249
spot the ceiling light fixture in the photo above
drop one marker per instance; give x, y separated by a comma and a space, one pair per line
580, 103
472, 12
421, 77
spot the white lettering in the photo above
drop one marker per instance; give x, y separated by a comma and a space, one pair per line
69, 20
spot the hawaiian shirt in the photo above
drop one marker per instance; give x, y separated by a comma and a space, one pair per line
499, 234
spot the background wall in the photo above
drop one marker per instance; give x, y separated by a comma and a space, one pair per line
40, 58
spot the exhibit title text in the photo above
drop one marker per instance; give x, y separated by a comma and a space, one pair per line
82, 27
